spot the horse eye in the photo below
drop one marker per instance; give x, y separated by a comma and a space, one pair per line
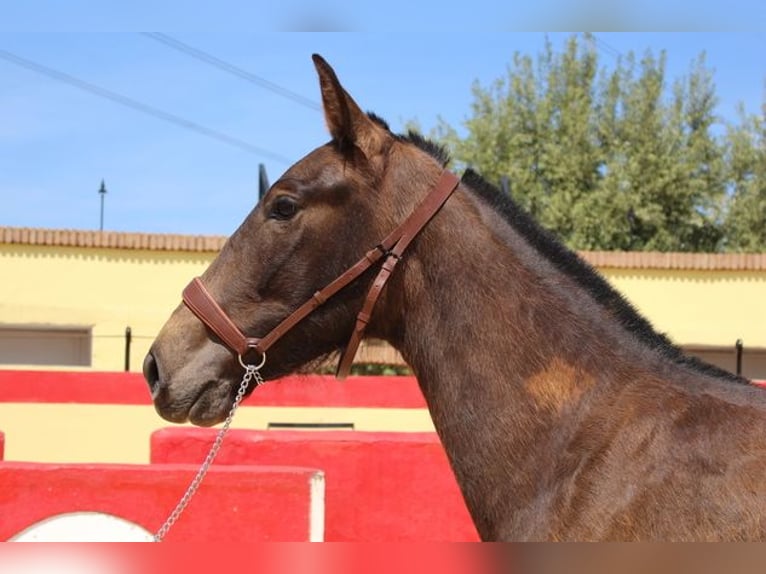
284, 208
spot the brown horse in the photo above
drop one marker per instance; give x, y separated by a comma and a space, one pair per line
564, 414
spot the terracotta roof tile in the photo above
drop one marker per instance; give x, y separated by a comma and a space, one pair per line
110, 239
213, 243
680, 261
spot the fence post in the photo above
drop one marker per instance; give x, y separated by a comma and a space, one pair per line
505, 185
128, 340
739, 346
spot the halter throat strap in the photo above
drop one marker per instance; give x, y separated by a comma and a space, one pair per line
200, 302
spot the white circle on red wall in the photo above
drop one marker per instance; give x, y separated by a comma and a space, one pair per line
84, 527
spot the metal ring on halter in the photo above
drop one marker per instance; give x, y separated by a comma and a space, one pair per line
257, 367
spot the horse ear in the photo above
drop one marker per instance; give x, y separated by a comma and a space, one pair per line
347, 123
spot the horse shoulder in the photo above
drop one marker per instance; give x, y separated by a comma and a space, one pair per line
657, 461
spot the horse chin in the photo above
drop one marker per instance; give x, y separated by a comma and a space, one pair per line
205, 406
211, 406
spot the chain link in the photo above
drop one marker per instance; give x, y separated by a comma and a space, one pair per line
251, 372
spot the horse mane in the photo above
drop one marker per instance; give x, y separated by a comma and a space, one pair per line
568, 262
435, 150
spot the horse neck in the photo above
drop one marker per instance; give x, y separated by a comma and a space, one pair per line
495, 336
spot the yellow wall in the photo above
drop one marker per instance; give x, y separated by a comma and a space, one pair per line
110, 289
699, 307
120, 433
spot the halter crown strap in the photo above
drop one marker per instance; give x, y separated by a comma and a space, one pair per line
402, 236
198, 299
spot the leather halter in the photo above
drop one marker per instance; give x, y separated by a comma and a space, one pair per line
201, 303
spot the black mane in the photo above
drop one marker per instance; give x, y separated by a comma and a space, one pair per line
438, 152
585, 275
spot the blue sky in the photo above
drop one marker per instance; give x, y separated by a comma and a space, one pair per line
57, 142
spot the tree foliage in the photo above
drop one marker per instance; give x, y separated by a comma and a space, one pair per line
618, 157
745, 224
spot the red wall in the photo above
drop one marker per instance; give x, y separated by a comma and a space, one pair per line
379, 486
234, 504
130, 388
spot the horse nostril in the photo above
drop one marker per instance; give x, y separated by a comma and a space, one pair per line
151, 372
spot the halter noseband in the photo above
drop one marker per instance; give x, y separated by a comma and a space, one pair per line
201, 303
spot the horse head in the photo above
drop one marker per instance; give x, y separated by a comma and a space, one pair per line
314, 222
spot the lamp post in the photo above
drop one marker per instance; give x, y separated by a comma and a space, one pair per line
102, 193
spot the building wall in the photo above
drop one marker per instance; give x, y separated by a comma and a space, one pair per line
698, 308
110, 288
704, 311
106, 289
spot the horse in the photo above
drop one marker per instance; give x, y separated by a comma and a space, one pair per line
564, 414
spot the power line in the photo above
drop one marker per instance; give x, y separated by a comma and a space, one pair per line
606, 47
141, 107
231, 69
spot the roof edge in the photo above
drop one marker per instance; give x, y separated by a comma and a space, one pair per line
110, 239
678, 261
214, 243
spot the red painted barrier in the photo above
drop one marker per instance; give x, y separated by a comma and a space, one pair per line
130, 388
2, 446
379, 486
88, 387
234, 504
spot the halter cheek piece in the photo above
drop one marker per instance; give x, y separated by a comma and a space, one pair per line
201, 303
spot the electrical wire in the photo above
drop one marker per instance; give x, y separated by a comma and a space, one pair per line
606, 47
231, 69
141, 107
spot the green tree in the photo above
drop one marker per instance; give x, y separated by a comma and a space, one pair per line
704, 160
668, 163
606, 158
745, 223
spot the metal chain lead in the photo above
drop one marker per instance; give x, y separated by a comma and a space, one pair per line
251, 372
